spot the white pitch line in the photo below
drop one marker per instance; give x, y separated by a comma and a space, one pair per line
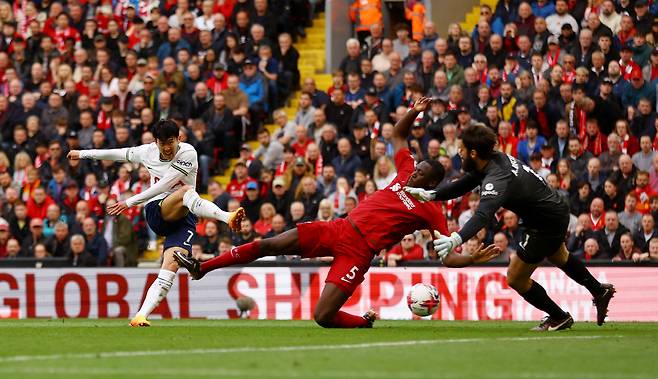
274, 349
368, 373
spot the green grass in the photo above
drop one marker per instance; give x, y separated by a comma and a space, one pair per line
299, 349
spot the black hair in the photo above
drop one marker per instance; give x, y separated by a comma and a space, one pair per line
165, 129
438, 171
480, 138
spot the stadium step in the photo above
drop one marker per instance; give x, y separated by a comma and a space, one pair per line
473, 16
311, 64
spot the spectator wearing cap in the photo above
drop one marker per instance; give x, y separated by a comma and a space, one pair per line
643, 18
34, 237
560, 17
637, 90
278, 196
372, 104
254, 166
252, 202
254, 85
218, 80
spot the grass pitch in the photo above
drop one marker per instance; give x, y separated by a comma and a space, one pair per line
300, 349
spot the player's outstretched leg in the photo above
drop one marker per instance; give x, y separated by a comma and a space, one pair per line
159, 288
208, 209
328, 314
284, 243
518, 277
576, 270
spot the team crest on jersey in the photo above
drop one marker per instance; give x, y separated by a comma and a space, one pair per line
396, 187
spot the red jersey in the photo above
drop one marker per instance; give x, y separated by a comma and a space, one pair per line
389, 214
238, 189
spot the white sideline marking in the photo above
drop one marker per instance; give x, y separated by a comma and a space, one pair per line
221, 372
370, 345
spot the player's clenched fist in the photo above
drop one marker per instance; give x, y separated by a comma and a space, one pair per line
73, 155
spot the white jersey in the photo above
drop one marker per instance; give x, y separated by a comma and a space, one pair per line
185, 161
171, 175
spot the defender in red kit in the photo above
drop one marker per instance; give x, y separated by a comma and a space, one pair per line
379, 222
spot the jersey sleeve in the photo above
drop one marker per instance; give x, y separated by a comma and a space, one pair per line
136, 154
186, 162
457, 188
404, 162
171, 178
128, 154
493, 192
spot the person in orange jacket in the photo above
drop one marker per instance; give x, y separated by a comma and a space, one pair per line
415, 12
365, 13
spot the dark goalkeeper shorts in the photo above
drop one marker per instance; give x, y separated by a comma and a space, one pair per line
541, 243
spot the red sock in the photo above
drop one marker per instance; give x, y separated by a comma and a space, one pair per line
238, 255
346, 320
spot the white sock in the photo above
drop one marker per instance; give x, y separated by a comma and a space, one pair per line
204, 208
157, 292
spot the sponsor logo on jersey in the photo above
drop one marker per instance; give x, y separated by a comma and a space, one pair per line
184, 163
397, 188
489, 190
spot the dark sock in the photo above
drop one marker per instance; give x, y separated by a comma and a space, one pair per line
576, 270
239, 255
346, 320
537, 296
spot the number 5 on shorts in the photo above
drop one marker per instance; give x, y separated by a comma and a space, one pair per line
351, 275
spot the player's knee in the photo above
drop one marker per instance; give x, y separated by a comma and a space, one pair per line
516, 282
323, 318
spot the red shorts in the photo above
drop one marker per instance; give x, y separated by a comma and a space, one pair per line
338, 239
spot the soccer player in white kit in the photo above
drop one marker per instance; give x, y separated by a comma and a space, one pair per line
172, 202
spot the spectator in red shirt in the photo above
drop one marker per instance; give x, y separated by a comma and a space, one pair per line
301, 141
596, 214
407, 250
238, 186
38, 204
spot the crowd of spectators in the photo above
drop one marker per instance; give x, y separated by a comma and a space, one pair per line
99, 74
570, 88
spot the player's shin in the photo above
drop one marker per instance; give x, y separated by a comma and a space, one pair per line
204, 208
158, 291
576, 270
346, 320
238, 255
538, 297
